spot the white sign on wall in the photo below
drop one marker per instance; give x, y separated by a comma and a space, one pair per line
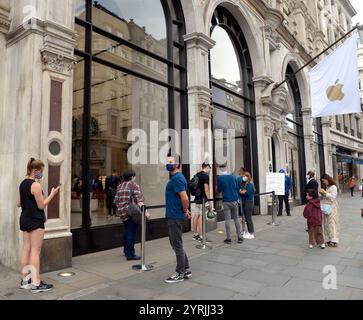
275, 182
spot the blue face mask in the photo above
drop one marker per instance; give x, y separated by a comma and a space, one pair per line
38, 175
170, 167
244, 179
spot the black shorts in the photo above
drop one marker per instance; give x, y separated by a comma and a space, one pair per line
28, 224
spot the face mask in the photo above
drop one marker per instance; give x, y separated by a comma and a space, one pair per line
170, 167
244, 179
307, 177
38, 175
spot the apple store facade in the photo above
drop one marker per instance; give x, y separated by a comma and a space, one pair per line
80, 75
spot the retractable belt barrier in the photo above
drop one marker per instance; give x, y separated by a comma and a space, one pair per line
203, 245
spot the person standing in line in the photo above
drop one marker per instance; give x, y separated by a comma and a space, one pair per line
32, 220
331, 220
361, 187
352, 182
203, 193
129, 192
112, 183
311, 183
285, 198
177, 210
314, 216
241, 173
228, 186
247, 192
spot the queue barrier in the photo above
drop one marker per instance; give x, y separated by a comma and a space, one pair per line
203, 246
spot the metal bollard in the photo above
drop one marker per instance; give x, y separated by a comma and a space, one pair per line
204, 246
273, 222
143, 266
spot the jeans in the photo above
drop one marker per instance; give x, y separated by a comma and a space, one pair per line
175, 228
129, 238
285, 199
248, 206
352, 191
110, 204
230, 210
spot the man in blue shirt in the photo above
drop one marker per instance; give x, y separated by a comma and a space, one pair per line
285, 198
227, 184
177, 209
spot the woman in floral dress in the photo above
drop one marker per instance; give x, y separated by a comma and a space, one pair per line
329, 193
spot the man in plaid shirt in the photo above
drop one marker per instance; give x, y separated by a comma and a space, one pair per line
121, 201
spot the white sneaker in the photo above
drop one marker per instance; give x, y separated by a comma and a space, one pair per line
311, 246
322, 246
249, 236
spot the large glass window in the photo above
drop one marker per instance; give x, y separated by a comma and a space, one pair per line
233, 95
130, 74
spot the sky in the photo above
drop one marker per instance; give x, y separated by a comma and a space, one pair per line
358, 5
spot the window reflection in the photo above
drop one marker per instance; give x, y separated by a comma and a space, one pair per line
225, 65
143, 22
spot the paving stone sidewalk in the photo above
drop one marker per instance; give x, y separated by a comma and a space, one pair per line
275, 265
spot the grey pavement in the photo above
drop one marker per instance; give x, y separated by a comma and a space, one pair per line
276, 265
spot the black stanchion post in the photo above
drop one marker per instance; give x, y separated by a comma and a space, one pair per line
143, 266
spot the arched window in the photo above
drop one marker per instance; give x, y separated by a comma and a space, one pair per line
233, 92
296, 158
127, 51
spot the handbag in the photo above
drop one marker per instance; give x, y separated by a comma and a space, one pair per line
326, 209
134, 212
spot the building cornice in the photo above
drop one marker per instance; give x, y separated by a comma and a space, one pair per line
349, 7
4, 20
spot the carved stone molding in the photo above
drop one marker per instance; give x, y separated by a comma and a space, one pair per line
272, 36
57, 63
4, 21
199, 40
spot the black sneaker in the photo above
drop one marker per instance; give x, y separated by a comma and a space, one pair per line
43, 287
187, 274
196, 237
228, 241
176, 277
26, 285
133, 258
240, 240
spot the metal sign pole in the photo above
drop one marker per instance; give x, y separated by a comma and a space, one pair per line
143, 267
204, 246
274, 207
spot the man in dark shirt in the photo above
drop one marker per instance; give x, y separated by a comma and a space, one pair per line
203, 193
311, 183
177, 210
112, 183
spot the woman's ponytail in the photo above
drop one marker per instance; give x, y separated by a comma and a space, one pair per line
34, 164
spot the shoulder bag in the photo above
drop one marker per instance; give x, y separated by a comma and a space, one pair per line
134, 212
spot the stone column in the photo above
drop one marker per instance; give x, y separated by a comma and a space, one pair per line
199, 104
308, 139
328, 152
38, 93
265, 129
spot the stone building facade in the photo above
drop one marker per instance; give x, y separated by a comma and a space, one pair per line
78, 75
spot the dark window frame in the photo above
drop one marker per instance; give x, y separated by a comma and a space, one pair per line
89, 58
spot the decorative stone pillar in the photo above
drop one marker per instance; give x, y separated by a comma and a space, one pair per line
328, 152
308, 139
38, 124
199, 104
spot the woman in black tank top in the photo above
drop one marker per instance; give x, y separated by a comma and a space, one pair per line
32, 221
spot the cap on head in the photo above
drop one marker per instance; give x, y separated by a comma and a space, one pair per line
282, 171
129, 174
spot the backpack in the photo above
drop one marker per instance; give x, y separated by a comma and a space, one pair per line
193, 186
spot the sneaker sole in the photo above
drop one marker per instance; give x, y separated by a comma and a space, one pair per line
188, 276
174, 281
40, 291
27, 287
